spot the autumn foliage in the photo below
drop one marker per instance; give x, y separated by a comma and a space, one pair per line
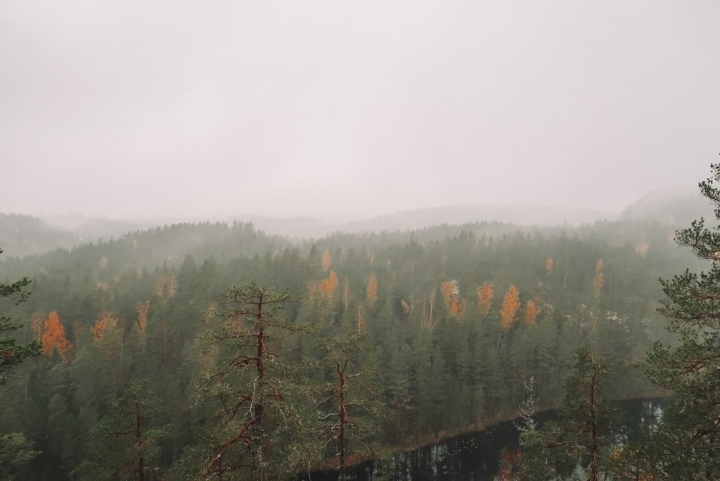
485, 295
104, 321
599, 277
372, 289
326, 260
510, 306
142, 313
450, 293
163, 286
531, 312
549, 265
328, 286
54, 336
171, 287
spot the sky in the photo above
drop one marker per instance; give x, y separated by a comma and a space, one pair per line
136, 109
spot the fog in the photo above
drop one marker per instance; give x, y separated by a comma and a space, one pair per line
142, 110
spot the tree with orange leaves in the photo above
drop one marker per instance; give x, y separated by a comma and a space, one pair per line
549, 265
326, 260
485, 295
510, 306
54, 336
530, 312
450, 293
327, 286
372, 289
599, 277
104, 321
142, 313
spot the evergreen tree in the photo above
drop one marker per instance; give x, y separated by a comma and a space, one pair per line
581, 434
15, 450
347, 398
125, 444
251, 385
687, 447
11, 353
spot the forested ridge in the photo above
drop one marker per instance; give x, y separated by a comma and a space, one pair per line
454, 321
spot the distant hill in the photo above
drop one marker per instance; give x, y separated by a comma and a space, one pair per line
22, 235
91, 229
528, 215
460, 214
677, 207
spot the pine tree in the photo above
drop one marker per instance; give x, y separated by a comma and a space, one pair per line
15, 452
250, 383
581, 433
688, 443
11, 353
347, 398
125, 444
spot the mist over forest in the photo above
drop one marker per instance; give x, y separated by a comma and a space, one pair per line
446, 324
337, 241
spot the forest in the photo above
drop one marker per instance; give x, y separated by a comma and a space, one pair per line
215, 351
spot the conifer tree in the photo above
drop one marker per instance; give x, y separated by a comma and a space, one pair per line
15, 450
580, 436
125, 444
346, 403
688, 443
249, 382
11, 353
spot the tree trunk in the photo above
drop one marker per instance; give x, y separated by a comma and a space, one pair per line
258, 409
342, 413
594, 432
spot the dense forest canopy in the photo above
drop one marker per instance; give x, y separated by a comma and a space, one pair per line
457, 320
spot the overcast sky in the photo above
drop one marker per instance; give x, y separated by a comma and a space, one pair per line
144, 109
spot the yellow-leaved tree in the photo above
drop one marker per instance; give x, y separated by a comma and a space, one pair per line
372, 290
549, 265
510, 306
326, 260
485, 295
54, 336
599, 277
531, 312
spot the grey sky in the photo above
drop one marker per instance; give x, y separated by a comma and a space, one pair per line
146, 109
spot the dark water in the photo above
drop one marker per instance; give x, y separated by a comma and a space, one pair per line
474, 456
